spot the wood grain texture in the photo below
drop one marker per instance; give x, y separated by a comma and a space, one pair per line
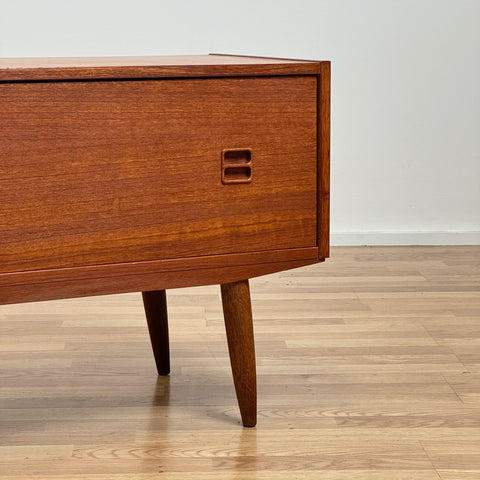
115, 185
323, 152
155, 304
91, 68
237, 312
153, 275
367, 369
110, 172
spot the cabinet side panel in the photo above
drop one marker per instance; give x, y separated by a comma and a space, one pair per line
324, 160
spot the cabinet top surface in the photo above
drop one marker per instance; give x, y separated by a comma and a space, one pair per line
85, 68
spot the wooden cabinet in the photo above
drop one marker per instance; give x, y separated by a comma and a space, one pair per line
142, 174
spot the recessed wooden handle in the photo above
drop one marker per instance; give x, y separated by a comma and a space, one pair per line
236, 165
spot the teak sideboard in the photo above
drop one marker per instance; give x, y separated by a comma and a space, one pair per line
129, 174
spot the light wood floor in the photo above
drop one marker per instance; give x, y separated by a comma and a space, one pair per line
368, 369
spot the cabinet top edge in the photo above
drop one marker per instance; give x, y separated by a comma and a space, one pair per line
94, 68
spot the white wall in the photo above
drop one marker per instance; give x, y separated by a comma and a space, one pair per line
405, 99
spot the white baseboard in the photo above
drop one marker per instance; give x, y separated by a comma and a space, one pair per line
404, 238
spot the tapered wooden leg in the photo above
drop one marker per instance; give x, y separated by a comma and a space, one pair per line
237, 311
155, 304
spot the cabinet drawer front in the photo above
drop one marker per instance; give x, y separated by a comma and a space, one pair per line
106, 172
